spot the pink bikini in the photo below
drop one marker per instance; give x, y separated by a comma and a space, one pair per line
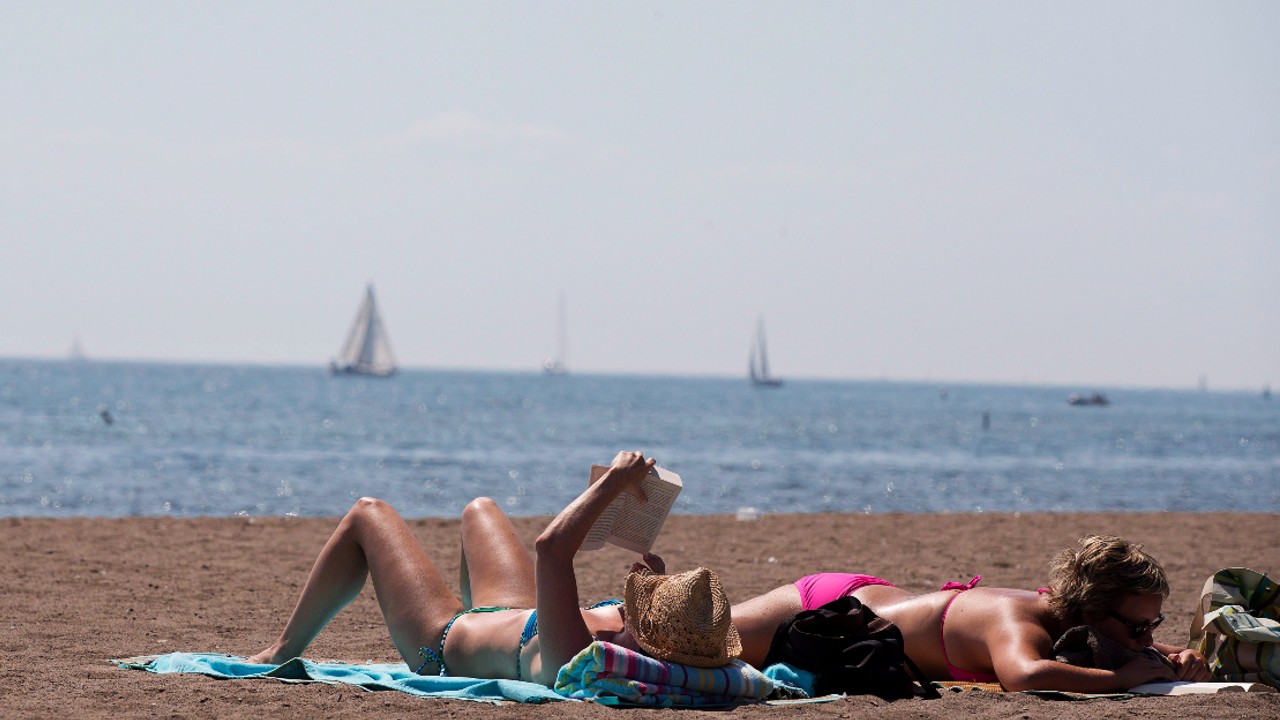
818, 590
959, 673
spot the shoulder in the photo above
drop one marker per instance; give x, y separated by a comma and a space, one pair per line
1005, 609
1026, 604
1022, 618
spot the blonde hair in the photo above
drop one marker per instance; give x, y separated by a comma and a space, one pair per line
1089, 582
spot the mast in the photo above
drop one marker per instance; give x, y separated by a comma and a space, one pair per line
561, 340
758, 361
762, 346
369, 347
557, 365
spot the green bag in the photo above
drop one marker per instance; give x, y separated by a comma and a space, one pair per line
1237, 628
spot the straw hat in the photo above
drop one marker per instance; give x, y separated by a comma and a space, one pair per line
681, 618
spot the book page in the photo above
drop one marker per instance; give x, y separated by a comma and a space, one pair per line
638, 524
598, 535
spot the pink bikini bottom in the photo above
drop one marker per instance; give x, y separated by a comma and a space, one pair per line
818, 590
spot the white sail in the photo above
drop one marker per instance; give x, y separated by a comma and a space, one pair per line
367, 350
556, 365
758, 360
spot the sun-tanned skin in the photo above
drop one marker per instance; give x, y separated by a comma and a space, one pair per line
1005, 632
373, 541
988, 630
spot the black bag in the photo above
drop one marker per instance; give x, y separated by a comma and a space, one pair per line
850, 650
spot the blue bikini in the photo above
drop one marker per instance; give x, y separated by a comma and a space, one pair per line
530, 631
431, 656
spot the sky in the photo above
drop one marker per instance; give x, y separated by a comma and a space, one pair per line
1081, 193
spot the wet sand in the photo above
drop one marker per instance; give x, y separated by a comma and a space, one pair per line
79, 592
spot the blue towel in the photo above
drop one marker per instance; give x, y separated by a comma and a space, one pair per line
374, 676
793, 676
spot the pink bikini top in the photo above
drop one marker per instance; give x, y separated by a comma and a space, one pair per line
958, 673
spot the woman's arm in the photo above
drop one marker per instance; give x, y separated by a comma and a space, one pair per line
1022, 657
1044, 674
562, 632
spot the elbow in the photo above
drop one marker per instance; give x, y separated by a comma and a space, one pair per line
1018, 683
1032, 676
552, 545
1022, 681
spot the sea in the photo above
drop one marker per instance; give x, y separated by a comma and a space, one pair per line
124, 439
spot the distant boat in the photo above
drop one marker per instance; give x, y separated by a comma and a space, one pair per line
556, 365
367, 350
758, 360
77, 350
1094, 399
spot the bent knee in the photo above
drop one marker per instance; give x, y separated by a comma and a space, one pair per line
484, 515
370, 512
369, 506
482, 507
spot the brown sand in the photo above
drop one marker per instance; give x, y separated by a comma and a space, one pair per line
78, 592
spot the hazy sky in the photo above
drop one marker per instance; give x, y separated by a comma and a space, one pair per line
1077, 193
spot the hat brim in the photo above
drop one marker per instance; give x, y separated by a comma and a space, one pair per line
732, 649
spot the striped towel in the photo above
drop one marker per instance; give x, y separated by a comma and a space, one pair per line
612, 674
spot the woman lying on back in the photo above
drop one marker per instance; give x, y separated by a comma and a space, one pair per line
976, 634
516, 619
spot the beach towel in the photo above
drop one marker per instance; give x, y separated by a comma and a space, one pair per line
372, 676
1237, 627
614, 675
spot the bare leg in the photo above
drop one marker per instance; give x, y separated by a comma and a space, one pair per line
497, 569
371, 541
758, 618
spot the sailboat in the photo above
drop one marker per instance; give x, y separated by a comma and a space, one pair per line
556, 365
758, 360
367, 350
76, 353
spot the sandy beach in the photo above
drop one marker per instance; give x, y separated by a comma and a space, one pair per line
78, 592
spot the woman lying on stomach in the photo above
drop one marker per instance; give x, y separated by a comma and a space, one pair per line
975, 634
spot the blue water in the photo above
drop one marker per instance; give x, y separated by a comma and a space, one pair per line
191, 440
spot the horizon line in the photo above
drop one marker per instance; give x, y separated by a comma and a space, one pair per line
941, 383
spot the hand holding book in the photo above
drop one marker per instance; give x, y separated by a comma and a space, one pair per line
634, 519
628, 470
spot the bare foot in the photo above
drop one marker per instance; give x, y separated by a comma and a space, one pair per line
266, 657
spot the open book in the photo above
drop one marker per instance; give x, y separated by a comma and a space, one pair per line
629, 523
1191, 688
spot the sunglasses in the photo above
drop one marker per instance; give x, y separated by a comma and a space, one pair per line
1137, 630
